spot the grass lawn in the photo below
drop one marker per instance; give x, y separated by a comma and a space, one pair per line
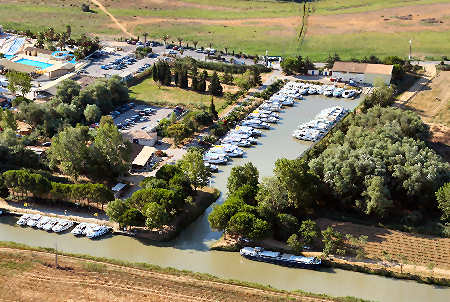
147, 91
428, 44
332, 7
37, 17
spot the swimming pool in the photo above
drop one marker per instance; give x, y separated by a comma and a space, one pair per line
38, 64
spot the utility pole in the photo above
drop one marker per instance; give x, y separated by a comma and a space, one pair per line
410, 45
56, 254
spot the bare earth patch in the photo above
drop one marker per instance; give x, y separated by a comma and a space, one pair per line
390, 20
32, 276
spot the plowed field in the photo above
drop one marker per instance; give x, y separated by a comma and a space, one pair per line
32, 276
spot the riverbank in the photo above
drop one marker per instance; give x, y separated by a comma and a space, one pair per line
31, 273
394, 269
204, 198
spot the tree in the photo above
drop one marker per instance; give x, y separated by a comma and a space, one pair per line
331, 60
195, 42
156, 215
116, 209
113, 150
178, 132
202, 81
381, 95
245, 81
167, 172
272, 198
287, 225
68, 31
194, 168
165, 38
212, 109
85, 8
92, 113
7, 120
214, 86
243, 175
248, 225
67, 91
18, 81
308, 231
180, 40
61, 153
221, 214
302, 187
145, 38
333, 242
227, 78
295, 244
443, 199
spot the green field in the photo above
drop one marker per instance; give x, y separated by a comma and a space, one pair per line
425, 44
147, 91
248, 26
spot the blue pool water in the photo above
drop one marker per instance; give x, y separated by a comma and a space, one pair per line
38, 64
9, 57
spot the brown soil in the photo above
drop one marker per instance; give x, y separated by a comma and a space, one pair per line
32, 276
420, 250
161, 4
389, 20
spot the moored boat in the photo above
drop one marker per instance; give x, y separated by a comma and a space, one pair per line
259, 254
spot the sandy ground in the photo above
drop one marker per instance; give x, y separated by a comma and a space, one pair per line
33, 276
389, 20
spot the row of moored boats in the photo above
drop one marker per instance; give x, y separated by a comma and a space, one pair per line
58, 225
297, 90
317, 128
246, 134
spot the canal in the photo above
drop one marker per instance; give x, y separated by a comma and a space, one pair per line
190, 251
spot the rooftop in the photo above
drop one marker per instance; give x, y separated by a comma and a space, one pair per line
143, 157
362, 68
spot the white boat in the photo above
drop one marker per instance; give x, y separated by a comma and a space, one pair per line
97, 231
214, 158
80, 229
42, 222
50, 224
23, 219
348, 94
213, 168
62, 226
33, 220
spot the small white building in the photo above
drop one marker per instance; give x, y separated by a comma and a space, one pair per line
362, 72
141, 137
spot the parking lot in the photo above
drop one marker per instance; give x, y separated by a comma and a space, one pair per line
94, 69
139, 121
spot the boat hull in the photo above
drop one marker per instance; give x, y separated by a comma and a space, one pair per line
282, 262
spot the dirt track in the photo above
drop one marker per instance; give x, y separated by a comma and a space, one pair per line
31, 276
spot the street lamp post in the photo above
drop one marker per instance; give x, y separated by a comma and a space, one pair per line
410, 45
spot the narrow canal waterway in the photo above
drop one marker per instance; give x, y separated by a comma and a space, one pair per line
190, 250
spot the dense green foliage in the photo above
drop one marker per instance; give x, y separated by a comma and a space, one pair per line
270, 90
108, 157
292, 65
379, 166
215, 88
25, 182
19, 82
443, 199
163, 196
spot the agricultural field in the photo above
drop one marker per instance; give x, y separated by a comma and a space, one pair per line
420, 250
433, 106
361, 28
353, 28
149, 92
32, 276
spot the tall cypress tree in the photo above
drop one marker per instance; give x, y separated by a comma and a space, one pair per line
212, 109
202, 82
184, 79
214, 87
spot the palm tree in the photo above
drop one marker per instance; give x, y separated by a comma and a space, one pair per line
195, 43
226, 50
145, 38
180, 40
165, 38
68, 31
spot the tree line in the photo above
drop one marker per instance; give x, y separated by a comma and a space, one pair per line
24, 182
